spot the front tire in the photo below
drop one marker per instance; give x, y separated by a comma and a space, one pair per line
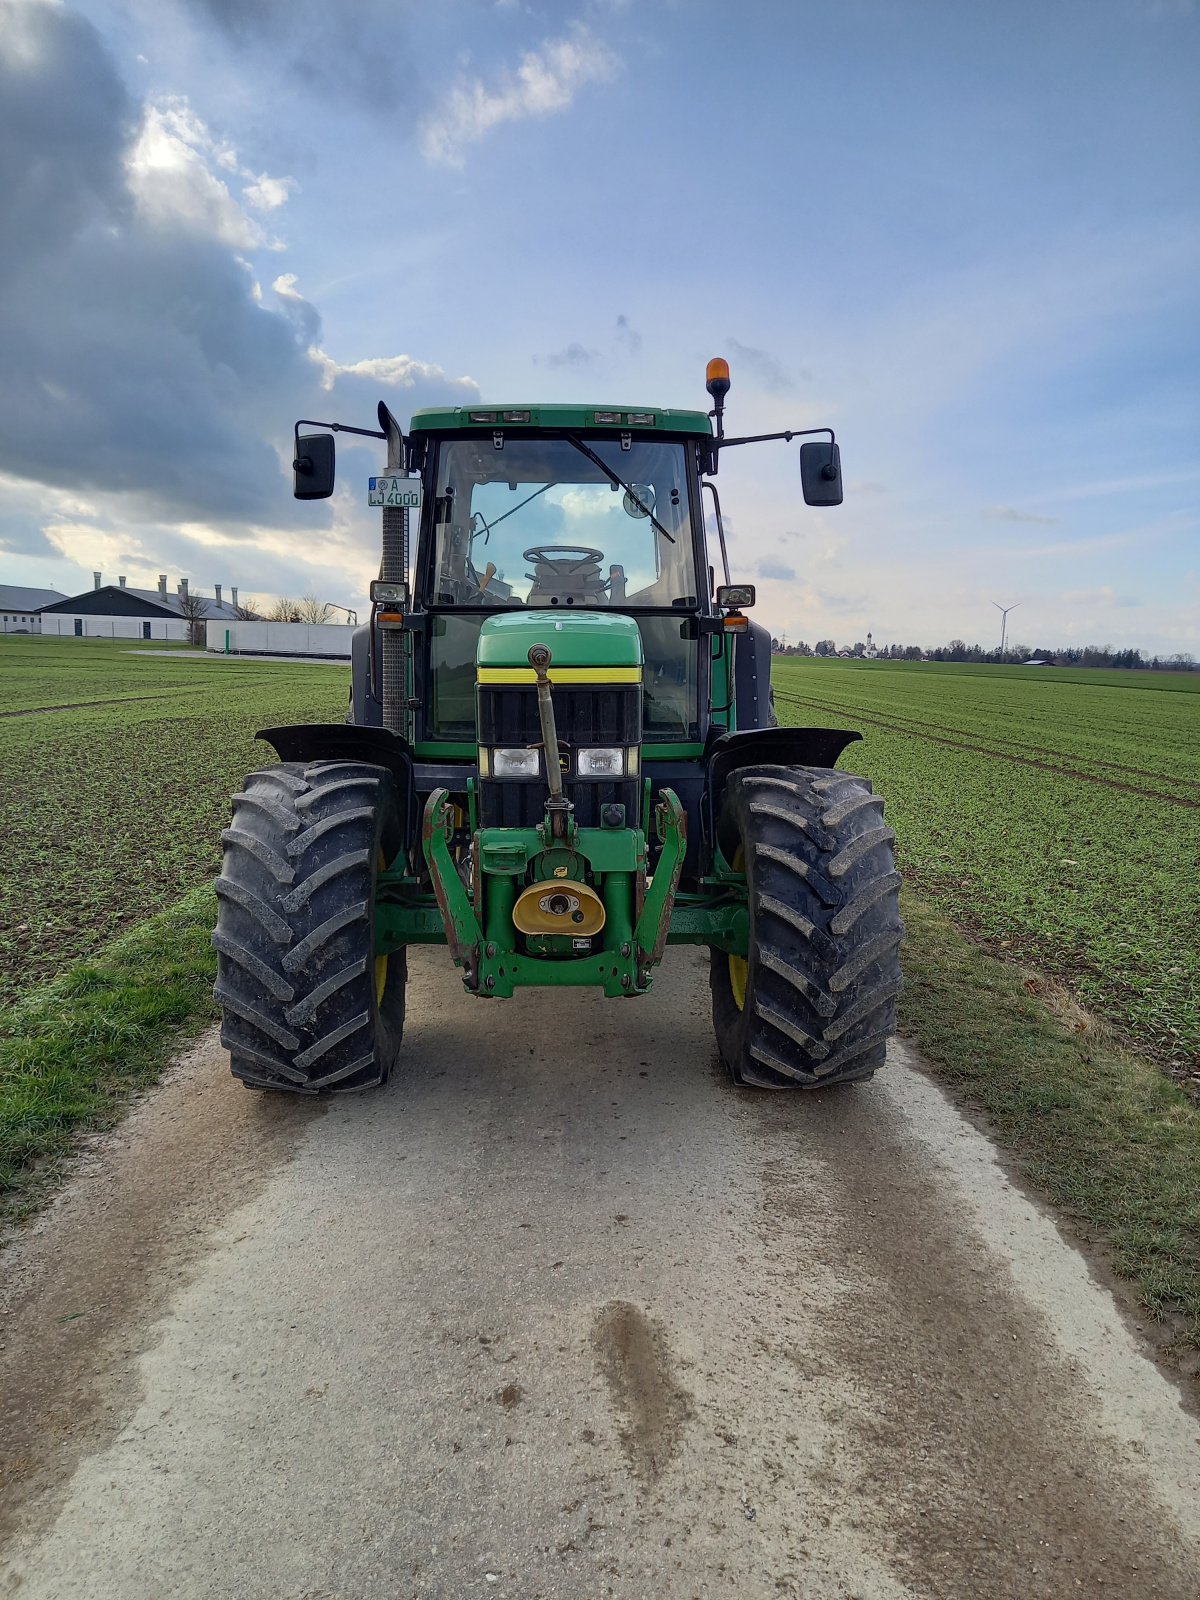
815, 1000
307, 1006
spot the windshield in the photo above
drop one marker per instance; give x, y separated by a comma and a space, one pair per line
539, 523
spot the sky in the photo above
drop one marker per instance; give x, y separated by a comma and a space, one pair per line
966, 237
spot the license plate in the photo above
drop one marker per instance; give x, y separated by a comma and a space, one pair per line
394, 491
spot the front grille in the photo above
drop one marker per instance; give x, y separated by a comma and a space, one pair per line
582, 716
509, 716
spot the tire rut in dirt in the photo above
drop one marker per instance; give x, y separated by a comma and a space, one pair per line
823, 968
296, 971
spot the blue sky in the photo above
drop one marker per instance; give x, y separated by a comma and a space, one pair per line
967, 237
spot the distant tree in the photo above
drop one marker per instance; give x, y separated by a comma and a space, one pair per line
826, 647
859, 649
247, 610
284, 610
310, 609
193, 609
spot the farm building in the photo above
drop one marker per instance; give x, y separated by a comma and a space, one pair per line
19, 607
115, 611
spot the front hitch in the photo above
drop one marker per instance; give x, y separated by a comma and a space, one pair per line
558, 807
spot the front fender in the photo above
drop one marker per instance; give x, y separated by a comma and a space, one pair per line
783, 747
349, 741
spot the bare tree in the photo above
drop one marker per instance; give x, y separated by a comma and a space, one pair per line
284, 610
247, 610
310, 609
193, 609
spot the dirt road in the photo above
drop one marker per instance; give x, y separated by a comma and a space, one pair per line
560, 1313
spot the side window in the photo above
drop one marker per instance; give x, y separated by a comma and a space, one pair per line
452, 648
670, 690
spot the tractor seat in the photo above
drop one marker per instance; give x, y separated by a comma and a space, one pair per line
566, 582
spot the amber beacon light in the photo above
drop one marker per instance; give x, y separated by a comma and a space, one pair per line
716, 378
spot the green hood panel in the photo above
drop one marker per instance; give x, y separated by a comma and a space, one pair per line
573, 638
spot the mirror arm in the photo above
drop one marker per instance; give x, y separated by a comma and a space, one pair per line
762, 438
712, 488
336, 427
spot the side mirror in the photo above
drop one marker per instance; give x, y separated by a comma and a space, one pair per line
821, 473
313, 467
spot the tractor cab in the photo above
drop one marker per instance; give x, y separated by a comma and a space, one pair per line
561, 514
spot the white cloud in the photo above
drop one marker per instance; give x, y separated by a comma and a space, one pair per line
402, 372
546, 82
173, 172
268, 194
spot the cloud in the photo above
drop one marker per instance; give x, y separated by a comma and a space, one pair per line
360, 52
771, 568
764, 369
545, 83
170, 175
1105, 595
268, 194
397, 372
628, 335
571, 355
1011, 514
144, 367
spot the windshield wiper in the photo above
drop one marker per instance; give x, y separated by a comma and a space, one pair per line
617, 483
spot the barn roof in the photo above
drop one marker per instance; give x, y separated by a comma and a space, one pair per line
111, 601
17, 597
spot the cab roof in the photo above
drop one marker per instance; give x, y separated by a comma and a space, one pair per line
657, 419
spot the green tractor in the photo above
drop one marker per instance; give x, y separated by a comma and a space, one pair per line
561, 756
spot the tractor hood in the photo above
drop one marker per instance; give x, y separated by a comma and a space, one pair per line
575, 639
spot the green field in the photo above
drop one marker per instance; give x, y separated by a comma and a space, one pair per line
118, 766
1055, 815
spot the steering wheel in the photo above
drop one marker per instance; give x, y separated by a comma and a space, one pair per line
580, 556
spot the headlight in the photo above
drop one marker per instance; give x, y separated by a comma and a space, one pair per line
606, 761
515, 763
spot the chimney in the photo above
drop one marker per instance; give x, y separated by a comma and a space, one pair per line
95, 580
217, 592
162, 586
183, 588
121, 581
233, 595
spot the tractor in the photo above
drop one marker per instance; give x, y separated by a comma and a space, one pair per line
560, 757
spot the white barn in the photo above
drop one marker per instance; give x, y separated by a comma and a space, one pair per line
115, 611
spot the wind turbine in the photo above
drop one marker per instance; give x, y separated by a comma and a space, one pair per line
1004, 610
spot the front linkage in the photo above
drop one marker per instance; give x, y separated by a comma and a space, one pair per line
556, 909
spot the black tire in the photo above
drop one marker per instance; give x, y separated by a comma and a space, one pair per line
296, 972
823, 967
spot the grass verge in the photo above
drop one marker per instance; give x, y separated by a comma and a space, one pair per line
1104, 1136
73, 1051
